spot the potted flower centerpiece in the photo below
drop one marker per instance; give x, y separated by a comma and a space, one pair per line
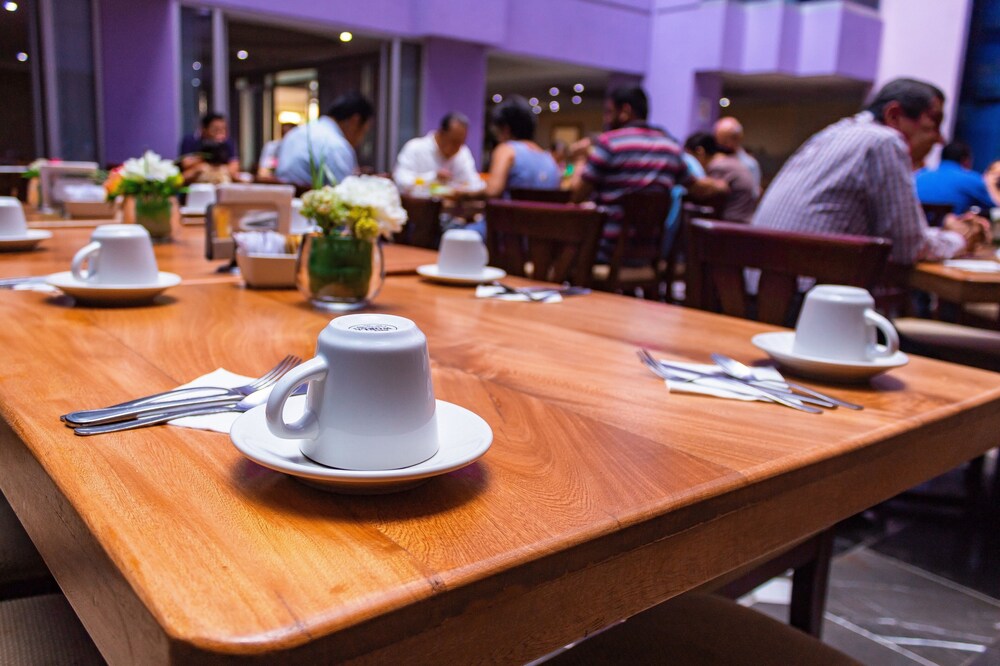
149, 186
340, 262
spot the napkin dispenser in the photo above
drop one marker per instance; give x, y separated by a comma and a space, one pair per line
222, 219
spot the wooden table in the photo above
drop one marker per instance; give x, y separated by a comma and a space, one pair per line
601, 495
956, 285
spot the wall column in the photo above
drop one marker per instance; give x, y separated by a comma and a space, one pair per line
140, 61
454, 79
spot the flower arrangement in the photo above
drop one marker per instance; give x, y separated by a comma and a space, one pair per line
363, 207
149, 176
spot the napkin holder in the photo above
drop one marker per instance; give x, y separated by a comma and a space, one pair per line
267, 271
222, 219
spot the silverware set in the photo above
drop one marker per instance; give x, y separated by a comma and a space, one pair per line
10, 283
169, 405
741, 378
538, 294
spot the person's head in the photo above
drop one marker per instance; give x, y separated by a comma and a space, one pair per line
353, 113
513, 119
703, 146
913, 108
728, 133
286, 128
451, 133
624, 105
958, 151
214, 128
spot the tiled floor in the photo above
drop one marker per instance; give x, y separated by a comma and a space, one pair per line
912, 583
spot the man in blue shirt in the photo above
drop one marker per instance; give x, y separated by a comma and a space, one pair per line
333, 139
955, 184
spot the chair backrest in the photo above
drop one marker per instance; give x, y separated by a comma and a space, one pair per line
718, 253
423, 225
640, 240
534, 194
559, 241
935, 213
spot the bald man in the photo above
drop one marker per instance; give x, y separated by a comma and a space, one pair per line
729, 135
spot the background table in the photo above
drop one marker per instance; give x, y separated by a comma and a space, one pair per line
602, 494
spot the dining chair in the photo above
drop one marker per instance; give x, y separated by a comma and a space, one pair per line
936, 212
701, 629
423, 224
718, 254
536, 194
637, 260
43, 630
544, 241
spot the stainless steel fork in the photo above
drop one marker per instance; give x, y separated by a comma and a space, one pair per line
174, 398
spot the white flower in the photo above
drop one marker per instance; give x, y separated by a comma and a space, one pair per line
149, 167
380, 194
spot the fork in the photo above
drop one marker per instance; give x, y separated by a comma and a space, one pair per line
658, 370
532, 295
155, 403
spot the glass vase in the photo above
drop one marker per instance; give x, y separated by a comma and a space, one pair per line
339, 273
156, 214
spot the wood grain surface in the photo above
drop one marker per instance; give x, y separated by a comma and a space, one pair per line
956, 285
602, 494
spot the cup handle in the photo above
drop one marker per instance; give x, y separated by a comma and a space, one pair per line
306, 427
891, 345
85, 254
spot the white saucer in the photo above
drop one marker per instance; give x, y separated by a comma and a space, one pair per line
778, 346
28, 241
488, 274
193, 211
112, 294
464, 436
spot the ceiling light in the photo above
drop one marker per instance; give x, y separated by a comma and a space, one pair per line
554, 106
724, 102
533, 101
497, 98
196, 66
346, 36
553, 91
195, 82
22, 56
10, 6
578, 88
242, 55
536, 109
576, 99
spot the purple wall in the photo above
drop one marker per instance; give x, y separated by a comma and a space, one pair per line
141, 84
454, 75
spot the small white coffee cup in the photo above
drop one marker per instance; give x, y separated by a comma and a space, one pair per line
12, 221
462, 252
200, 195
370, 404
840, 323
119, 254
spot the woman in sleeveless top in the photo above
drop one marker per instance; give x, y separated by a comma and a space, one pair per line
518, 161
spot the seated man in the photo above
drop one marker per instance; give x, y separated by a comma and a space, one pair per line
631, 156
440, 156
954, 182
855, 177
324, 149
738, 204
209, 156
729, 136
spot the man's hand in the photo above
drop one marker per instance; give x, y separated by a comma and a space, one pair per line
444, 175
975, 229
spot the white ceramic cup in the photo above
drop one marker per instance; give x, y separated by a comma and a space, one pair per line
12, 221
462, 252
117, 254
370, 404
840, 323
200, 195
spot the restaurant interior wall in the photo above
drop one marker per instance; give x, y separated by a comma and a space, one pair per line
979, 107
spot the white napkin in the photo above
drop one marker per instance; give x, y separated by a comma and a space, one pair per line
223, 421
974, 265
36, 286
498, 293
720, 388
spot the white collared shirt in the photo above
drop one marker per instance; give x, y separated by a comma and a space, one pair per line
422, 158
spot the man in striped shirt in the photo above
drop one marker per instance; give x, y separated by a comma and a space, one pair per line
856, 177
632, 156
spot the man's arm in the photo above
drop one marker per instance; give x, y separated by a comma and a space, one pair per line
407, 169
465, 174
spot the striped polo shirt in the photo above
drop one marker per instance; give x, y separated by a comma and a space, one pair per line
632, 158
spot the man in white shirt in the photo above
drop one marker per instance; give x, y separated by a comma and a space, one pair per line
440, 156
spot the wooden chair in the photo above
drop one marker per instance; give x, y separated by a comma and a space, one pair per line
423, 228
935, 213
719, 252
534, 194
557, 241
637, 261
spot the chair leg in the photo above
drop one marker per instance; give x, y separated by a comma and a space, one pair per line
809, 583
